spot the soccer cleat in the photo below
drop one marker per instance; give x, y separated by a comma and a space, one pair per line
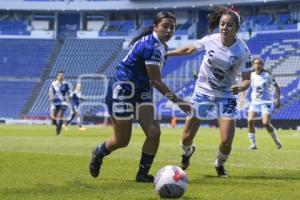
148, 178
253, 147
58, 130
185, 160
95, 164
221, 171
82, 129
65, 127
278, 145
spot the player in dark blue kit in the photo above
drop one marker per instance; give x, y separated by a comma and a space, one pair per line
58, 94
76, 98
130, 94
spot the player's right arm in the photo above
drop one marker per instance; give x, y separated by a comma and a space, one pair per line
155, 79
199, 45
183, 50
50, 93
242, 98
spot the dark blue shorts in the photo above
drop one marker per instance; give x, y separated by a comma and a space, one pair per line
75, 108
123, 98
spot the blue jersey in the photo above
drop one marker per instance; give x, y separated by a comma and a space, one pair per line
149, 50
76, 98
59, 92
121, 98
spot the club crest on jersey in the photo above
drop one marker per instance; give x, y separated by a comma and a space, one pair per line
233, 60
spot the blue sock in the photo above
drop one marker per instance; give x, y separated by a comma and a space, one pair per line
54, 122
102, 150
59, 124
69, 121
145, 163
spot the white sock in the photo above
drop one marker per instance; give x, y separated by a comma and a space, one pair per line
221, 158
79, 121
187, 149
252, 138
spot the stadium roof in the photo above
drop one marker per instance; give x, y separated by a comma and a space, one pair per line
76, 5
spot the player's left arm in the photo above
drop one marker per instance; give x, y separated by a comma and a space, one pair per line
245, 69
277, 95
69, 93
50, 93
244, 84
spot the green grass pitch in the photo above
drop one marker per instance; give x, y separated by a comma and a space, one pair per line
36, 164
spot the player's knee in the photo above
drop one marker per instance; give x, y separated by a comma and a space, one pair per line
265, 122
187, 136
153, 133
250, 122
122, 143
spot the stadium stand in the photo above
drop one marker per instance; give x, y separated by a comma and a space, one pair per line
85, 56
13, 28
275, 39
13, 97
92, 89
24, 57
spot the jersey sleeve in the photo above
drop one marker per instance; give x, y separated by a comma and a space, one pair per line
70, 88
151, 55
51, 89
200, 44
273, 81
245, 65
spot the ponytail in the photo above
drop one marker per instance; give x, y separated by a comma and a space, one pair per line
147, 31
159, 16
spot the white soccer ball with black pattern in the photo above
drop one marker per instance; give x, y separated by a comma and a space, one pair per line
171, 182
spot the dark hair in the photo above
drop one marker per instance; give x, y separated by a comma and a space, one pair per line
258, 58
263, 64
60, 72
159, 16
216, 14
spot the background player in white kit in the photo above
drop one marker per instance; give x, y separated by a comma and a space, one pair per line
215, 87
58, 94
76, 98
262, 83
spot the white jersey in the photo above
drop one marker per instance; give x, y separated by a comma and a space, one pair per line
261, 85
60, 92
220, 65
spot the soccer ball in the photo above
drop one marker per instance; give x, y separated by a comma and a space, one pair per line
170, 182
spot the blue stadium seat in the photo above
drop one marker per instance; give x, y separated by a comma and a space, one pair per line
24, 57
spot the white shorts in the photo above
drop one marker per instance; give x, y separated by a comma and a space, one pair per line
263, 108
208, 108
58, 107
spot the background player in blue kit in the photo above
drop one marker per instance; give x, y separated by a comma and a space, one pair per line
216, 87
58, 94
262, 83
76, 98
130, 93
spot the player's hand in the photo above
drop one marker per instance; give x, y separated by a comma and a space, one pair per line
185, 107
235, 89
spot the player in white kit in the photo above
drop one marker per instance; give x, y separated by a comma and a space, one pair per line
58, 95
216, 87
262, 83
